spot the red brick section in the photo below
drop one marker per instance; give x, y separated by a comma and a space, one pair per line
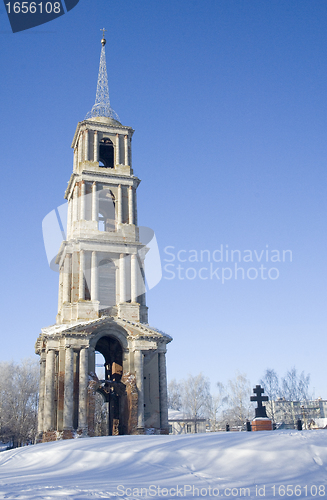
49, 436
131, 403
67, 435
262, 425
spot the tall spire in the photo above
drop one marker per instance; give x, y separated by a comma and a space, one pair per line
102, 102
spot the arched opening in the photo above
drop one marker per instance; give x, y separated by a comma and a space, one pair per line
106, 216
112, 352
107, 283
111, 396
106, 153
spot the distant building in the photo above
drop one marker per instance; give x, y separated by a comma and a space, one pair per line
179, 423
312, 413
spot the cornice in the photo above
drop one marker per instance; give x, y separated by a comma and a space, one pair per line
100, 127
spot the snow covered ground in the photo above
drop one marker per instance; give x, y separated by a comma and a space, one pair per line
290, 464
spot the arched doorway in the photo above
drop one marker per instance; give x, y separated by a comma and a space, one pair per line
111, 395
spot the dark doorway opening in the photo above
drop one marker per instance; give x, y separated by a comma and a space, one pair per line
111, 398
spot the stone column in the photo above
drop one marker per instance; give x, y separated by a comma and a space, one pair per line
40, 423
163, 391
134, 264
69, 389
142, 285
75, 158
83, 383
120, 203
95, 146
82, 204
122, 274
69, 219
66, 279
135, 208
94, 202
80, 148
126, 149
75, 203
49, 391
138, 364
117, 150
130, 205
94, 276
86, 145
81, 280
61, 277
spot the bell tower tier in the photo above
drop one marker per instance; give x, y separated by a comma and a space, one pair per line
102, 241
102, 313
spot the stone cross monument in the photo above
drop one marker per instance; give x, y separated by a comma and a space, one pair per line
261, 421
101, 307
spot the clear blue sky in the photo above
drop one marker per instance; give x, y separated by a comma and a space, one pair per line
229, 103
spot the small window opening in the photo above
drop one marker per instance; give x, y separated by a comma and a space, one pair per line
106, 153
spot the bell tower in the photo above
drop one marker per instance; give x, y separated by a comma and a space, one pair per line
101, 307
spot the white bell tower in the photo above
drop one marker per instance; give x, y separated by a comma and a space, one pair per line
101, 306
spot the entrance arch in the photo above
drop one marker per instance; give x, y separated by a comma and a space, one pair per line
111, 395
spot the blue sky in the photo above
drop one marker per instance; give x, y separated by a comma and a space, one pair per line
228, 102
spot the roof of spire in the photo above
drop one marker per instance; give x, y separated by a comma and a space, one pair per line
102, 102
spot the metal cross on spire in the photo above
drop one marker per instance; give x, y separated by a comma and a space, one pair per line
102, 102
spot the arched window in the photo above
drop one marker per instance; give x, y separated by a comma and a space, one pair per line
100, 363
107, 283
112, 353
106, 153
106, 216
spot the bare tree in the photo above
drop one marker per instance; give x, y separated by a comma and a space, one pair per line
270, 383
175, 395
18, 402
295, 387
196, 397
239, 407
218, 400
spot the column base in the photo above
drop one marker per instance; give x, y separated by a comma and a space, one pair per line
81, 433
67, 434
130, 311
49, 436
262, 424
